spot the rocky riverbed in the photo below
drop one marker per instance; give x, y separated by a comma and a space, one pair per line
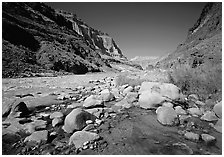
97, 114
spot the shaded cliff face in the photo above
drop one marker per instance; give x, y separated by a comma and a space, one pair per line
37, 38
203, 45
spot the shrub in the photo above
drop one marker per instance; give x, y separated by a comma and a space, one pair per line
204, 80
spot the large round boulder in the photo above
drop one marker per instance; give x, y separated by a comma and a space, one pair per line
148, 99
168, 90
76, 120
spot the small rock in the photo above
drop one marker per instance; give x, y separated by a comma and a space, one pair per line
218, 109
56, 115
115, 92
74, 105
35, 125
208, 139
89, 122
166, 115
209, 116
123, 103
37, 136
183, 146
89, 127
183, 118
98, 121
85, 147
199, 103
80, 137
56, 121
191, 136
127, 90
195, 111
53, 133
92, 101
131, 97
167, 104
106, 95
180, 111
76, 120
193, 97
218, 126
85, 143
44, 115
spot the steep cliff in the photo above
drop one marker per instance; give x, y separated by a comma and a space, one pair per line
37, 38
203, 45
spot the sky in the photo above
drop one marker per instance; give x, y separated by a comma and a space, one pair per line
139, 29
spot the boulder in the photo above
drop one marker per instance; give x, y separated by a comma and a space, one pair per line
191, 136
168, 90
148, 100
209, 116
195, 111
218, 126
218, 109
92, 101
127, 90
106, 95
166, 115
76, 120
80, 137
37, 136
208, 139
56, 115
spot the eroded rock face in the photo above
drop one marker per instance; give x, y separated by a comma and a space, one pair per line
76, 120
79, 45
80, 137
166, 115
